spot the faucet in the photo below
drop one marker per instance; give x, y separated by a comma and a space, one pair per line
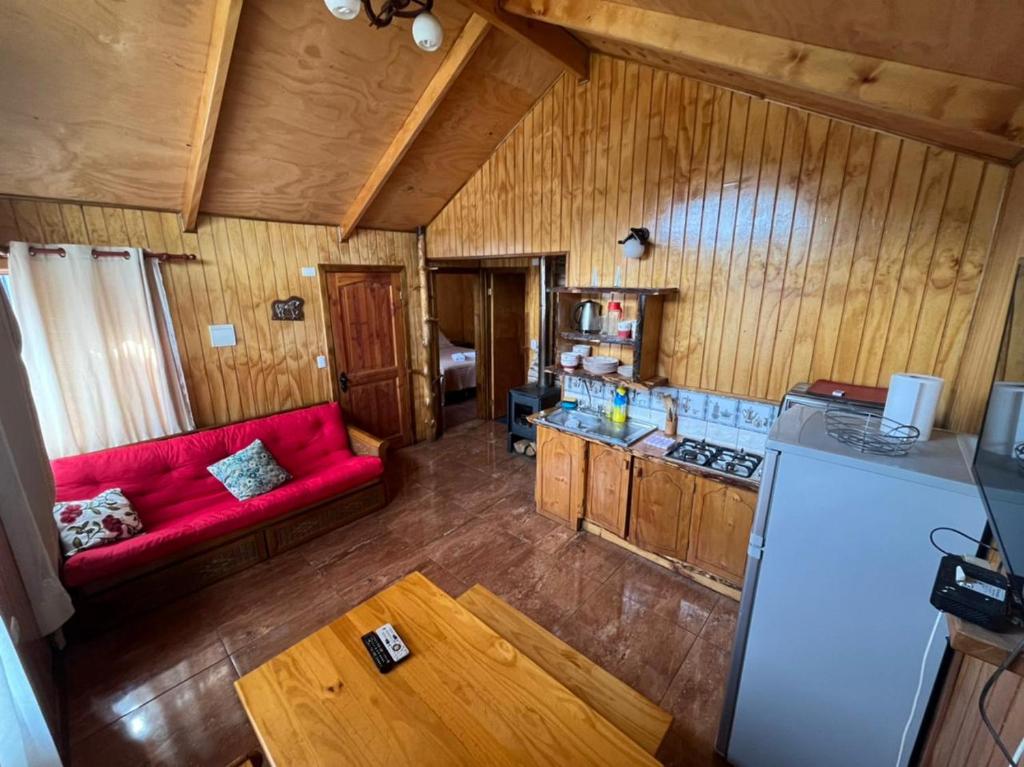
590, 397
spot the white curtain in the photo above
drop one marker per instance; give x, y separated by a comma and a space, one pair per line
26, 487
26, 514
99, 348
25, 740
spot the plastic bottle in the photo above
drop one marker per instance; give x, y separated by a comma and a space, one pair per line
612, 318
620, 404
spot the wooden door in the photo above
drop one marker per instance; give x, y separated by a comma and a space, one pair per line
507, 353
561, 474
720, 529
370, 367
661, 508
607, 498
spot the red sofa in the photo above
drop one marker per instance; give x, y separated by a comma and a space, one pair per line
195, 530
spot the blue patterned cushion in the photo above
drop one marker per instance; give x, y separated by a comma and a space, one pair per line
250, 472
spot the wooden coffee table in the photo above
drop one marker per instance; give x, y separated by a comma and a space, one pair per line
465, 696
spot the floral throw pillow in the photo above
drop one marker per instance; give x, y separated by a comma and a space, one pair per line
104, 519
250, 472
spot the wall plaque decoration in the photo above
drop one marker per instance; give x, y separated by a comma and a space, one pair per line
287, 309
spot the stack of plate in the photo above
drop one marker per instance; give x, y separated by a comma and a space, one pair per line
600, 365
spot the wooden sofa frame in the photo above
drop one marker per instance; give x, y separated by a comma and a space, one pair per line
187, 571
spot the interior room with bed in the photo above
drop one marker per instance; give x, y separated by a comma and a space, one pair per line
512, 382
455, 296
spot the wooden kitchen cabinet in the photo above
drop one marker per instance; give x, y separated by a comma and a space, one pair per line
608, 477
561, 475
720, 528
661, 508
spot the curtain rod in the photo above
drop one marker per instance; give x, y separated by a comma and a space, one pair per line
5, 252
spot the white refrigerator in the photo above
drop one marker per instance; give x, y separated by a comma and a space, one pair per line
835, 616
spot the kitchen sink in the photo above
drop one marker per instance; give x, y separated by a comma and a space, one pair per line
596, 426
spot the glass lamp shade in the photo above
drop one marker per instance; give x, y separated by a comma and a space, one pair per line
427, 32
343, 9
633, 248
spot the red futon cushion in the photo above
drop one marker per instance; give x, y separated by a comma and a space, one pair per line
182, 504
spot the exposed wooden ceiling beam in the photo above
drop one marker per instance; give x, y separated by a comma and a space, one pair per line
565, 49
454, 61
222, 40
963, 113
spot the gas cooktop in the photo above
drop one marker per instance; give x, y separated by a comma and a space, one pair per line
727, 460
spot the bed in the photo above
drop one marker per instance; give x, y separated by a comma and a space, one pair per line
458, 365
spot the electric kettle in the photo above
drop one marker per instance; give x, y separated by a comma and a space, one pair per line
586, 316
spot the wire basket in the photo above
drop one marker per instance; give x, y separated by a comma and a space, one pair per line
869, 432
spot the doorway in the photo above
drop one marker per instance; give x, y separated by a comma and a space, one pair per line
367, 349
483, 337
456, 296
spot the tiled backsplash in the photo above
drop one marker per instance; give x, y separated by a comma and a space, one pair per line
727, 421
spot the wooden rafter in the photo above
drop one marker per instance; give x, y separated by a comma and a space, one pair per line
456, 59
556, 43
967, 114
222, 41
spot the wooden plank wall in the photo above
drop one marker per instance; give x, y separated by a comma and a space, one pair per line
804, 247
958, 737
455, 316
243, 265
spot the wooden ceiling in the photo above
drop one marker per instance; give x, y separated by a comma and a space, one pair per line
976, 38
943, 71
113, 103
100, 98
102, 106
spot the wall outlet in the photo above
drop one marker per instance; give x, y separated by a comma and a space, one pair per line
222, 335
321, 361
308, 271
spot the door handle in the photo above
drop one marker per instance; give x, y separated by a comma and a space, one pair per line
343, 382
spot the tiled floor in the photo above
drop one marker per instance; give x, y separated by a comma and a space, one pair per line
459, 413
159, 689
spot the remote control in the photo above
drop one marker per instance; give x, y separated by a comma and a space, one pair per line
386, 648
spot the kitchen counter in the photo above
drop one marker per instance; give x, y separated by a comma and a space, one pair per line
641, 450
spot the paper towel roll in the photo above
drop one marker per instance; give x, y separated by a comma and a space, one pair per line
912, 401
1004, 421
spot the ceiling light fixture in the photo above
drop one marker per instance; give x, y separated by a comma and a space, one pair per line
426, 29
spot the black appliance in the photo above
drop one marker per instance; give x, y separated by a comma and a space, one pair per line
524, 401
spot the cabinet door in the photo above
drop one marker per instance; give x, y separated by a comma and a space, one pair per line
608, 473
720, 530
661, 507
561, 472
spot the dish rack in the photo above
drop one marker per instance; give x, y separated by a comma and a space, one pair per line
869, 432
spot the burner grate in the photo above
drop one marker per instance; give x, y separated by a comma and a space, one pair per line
727, 460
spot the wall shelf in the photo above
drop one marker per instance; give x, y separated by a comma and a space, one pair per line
605, 291
644, 306
613, 378
595, 338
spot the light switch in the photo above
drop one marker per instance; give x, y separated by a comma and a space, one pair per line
222, 335
308, 271
321, 361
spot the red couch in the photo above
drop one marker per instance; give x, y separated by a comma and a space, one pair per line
185, 509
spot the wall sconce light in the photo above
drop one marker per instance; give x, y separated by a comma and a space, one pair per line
635, 243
